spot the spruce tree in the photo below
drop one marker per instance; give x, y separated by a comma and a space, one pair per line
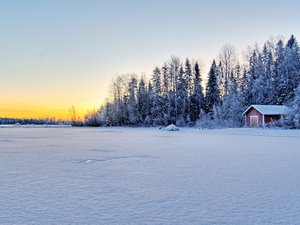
189, 89
173, 82
181, 103
269, 72
150, 97
259, 86
156, 109
197, 100
279, 81
165, 94
292, 69
212, 97
133, 116
142, 100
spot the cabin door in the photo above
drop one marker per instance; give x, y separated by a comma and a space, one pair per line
253, 121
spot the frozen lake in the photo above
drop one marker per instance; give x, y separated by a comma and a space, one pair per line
149, 176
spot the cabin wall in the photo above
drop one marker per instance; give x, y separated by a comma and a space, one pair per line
253, 112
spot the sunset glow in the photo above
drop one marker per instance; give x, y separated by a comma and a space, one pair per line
32, 111
55, 54
52, 105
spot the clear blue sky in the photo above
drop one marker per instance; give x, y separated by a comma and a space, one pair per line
58, 53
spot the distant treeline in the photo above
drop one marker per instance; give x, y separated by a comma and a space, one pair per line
51, 121
175, 92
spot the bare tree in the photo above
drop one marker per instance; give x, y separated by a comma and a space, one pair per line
228, 61
75, 119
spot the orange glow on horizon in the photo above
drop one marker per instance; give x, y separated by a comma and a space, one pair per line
42, 112
46, 102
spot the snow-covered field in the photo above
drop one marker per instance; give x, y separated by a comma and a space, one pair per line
149, 176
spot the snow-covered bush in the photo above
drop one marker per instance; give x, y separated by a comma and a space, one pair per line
207, 122
171, 127
276, 124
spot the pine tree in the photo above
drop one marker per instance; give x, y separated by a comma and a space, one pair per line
142, 100
197, 100
181, 103
269, 73
150, 97
212, 97
165, 94
279, 81
291, 69
245, 90
189, 89
259, 90
173, 79
156, 109
133, 117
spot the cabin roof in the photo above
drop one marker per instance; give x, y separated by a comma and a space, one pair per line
269, 109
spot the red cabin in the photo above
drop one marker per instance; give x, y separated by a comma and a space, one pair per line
260, 115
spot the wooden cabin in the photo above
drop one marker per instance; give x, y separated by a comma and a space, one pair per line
260, 115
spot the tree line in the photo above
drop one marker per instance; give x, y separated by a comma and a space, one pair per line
24, 121
175, 93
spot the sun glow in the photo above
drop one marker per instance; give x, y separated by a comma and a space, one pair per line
50, 101
38, 111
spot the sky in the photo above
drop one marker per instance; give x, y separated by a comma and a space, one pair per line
59, 53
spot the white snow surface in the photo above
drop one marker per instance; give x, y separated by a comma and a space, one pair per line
149, 176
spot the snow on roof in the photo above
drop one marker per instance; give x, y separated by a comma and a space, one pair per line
269, 109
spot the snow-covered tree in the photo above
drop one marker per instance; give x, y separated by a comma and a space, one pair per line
165, 94
291, 69
229, 114
268, 62
156, 110
197, 99
142, 100
259, 91
279, 81
181, 103
174, 67
133, 116
294, 113
212, 97
150, 97
189, 89
228, 60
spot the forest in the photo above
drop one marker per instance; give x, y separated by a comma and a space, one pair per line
176, 93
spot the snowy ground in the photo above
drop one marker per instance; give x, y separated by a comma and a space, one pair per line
149, 176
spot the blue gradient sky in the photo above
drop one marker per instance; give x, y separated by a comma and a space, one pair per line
58, 53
